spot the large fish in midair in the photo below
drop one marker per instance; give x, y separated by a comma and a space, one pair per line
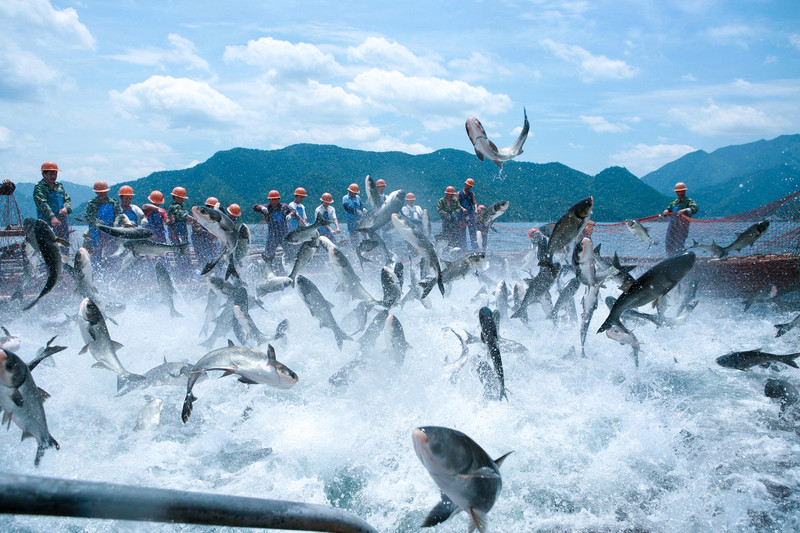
469, 479
486, 149
48, 246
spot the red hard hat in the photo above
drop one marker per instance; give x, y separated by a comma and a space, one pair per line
450, 190
156, 197
50, 165
234, 210
180, 192
326, 197
273, 194
680, 186
380, 183
410, 196
100, 186
126, 190
353, 188
300, 192
211, 202
470, 182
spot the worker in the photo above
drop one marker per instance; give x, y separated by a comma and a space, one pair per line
104, 210
132, 212
328, 213
468, 204
53, 204
206, 247
277, 215
681, 209
178, 217
155, 216
294, 223
448, 209
381, 186
353, 209
412, 213
234, 211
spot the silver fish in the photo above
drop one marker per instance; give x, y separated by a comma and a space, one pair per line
377, 218
396, 339
568, 227
304, 255
486, 149
148, 248
150, 415
747, 237
371, 190
320, 308
306, 233
48, 246
640, 232
348, 279
166, 288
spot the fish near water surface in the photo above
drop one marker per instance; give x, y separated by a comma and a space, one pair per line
468, 478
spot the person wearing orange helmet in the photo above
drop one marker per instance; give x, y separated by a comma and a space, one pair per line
133, 212
178, 217
234, 211
277, 215
53, 204
206, 247
155, 216
381, 186
412, 213
354, 209
328, 213
449, 209
682, 209
296, 222
104, 210
468, 203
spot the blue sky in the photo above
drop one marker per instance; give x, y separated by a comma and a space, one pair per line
116, 90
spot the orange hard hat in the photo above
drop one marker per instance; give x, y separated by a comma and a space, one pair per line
300, 192
353, 188
326, 197
211, 201
410, 196
234, 210
100, 186
532, 232
156, 197
180, 192
680, 186
50, 165
274, 195
450, 190
380, 183
470, 182
481, 207
126, 190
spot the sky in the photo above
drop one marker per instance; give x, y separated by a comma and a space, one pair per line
117, 90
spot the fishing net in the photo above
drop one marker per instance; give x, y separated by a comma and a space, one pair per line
11, 236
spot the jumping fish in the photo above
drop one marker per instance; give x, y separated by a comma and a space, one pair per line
484, 148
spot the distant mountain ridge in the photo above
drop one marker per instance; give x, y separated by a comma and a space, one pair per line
736, 178
536, 191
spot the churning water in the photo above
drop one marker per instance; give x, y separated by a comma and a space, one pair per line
678, 444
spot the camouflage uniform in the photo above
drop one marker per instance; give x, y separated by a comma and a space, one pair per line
683, 203
49, 201
678, 228
449, 213
178, 232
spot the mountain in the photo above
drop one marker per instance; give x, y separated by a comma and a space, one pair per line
78, 194
734, 178
537, 191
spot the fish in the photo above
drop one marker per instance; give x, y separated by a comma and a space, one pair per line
625, 337
276, 284
391, 287
462, 359
501, 298
640, 232
306, 233
396, 339
766, 293
168, 373
426, 223
120, 232
82, 272
750, 358
495, 211
320, 308
491, 338
252, 367
48, 246
242, 244
377, 218
421, 245
589, 303
468, 478
748, 237
785, 328
371, 190
98, 342
537, 287
304, 255
213, 302
458, 269
714, 249
568, 227
43, 353
486, 149
690, 298
21, 401
357, 318
9, 341
565, 304
506, 345
583, 262
652, 285
166, 288
348, 279
782, 390
415, 291
150, 415
147, 248
367, 340
220, 225
244, 327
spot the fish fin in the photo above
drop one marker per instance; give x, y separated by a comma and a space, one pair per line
111, 319
502, 458
789, 360
16, 397
271, 353
480, 155
498, 163
44, 394
493, 146
6, 420
101, 365
227, 373
25, 435
480, 520
441, 511
125, 384
117, 345
230, 343
6, 331
248, 381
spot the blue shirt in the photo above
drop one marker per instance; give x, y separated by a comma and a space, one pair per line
352, 207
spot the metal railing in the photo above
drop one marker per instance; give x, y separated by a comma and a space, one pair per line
33, 495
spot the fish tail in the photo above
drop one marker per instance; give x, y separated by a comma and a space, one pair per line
187, 406
440, 283
782, 328
129, 382
43, 445
790, 360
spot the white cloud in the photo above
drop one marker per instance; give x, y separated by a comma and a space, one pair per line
438, 103
390, 144
481, 67
282, 58
732, 34
601, 125
23, 72
46, 24
794, 40
5, 138
592, 67
154, 147
735, 120
643, 158
183, 52
334, 134
380, 53
181, 102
